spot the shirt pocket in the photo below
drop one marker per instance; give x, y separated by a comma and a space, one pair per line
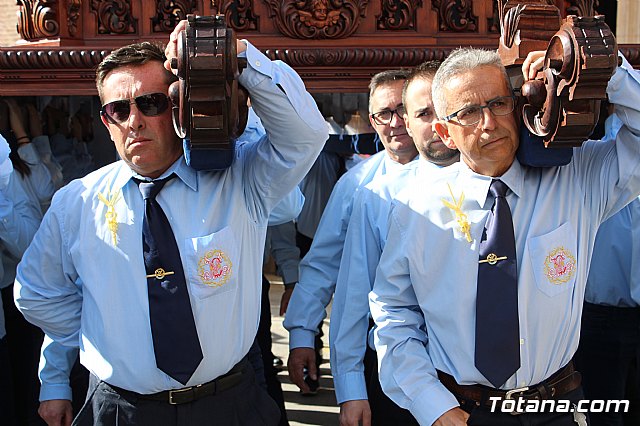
553, 259
212, 263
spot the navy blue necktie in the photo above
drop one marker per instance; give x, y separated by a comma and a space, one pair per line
175, 338
497, 354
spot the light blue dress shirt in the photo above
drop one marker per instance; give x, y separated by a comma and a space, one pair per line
19, 220
317, 186
219, 220
614, 274
56, 360
423, 300
319, 268
38, 183
366, 237
281, 243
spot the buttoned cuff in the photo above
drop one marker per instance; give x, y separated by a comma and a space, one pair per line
350, 386
301, 338
256, 61
432, 402
49, 391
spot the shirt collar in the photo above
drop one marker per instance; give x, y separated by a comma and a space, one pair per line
476, 186
180, 168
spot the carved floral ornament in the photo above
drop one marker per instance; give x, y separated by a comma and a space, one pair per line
317, 19
455, 15
398, 14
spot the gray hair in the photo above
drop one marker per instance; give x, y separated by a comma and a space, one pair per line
460, 61
384, 78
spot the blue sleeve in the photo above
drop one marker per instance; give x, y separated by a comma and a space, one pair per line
319, 269
56, 362
288, 208
295, 129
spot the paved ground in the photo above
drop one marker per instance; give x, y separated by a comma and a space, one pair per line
320, 409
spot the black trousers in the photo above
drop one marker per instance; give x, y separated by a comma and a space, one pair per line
274, 388
24, 341
609, 358
384, 412
482, 415
246, 404
7, 412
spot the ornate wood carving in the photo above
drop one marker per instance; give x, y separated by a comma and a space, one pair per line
455, 15
73, 13
317, 19
582, 7
493, 22
527, 25
209, 106
38, 19
114, 16
363, 57
41, 59
240, 17
170, 12
398, 14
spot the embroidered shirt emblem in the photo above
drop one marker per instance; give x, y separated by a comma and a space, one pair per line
110, 215
559, 266
214, 268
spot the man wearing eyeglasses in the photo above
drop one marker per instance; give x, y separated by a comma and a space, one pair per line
479, 290
354, 363
86, 278
319, 268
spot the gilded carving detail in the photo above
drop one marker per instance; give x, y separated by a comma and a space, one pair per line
37, 19
317, 19
239, 15
170, 12
398, 14
114, 16
455, 15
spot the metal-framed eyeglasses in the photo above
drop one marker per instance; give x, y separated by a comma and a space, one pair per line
151, 105
385, 116
471, 115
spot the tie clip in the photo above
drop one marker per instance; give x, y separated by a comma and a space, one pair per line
161, 273
492, 259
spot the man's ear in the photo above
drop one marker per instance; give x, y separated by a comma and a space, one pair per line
407, 127
442, 129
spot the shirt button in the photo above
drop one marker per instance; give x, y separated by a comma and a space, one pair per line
258, 63
522, 341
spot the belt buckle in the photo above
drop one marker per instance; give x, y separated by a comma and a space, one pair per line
178, 392
509, 396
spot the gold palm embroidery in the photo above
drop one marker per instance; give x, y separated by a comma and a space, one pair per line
461, 217
111, 216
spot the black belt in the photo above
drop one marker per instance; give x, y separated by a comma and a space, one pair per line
193, 393
560, 383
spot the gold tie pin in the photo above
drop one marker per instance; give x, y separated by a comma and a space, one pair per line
492, 259
161, 273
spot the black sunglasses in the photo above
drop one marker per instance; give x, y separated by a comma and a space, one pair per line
150, 105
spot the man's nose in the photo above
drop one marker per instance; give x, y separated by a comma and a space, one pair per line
396, 119
136, 120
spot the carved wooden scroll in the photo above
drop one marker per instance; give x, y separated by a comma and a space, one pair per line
561, 106
38, 19
210, 108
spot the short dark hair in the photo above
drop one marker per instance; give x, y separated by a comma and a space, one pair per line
385, 77
133, 54
425, 71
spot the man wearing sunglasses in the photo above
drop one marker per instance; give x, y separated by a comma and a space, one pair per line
86, 278
479, 290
